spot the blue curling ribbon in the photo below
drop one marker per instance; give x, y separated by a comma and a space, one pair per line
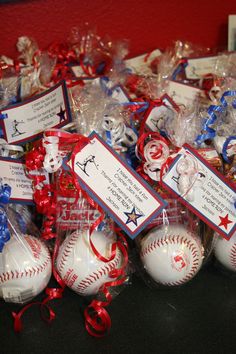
179, 68
225, 146
4, 231
103, 83
5, 192
209, 132
3, 115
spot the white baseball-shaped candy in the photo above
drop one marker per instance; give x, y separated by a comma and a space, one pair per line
78, 265
225, 252
171, 255
26, 269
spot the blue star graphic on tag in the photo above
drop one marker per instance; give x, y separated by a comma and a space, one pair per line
132, 216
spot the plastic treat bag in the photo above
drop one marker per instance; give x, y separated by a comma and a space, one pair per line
219, 127
89, 257
25, 267
172, 252
172, 62
81, 228
9, 82
98, 111
12, 151
97, 56
36, 67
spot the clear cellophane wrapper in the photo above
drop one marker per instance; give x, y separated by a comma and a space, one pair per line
82, 252
96, 110
9, 82
25, 261
174, 247
170, 60
97, 55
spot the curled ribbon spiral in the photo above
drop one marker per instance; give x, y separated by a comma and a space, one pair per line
208, 131
189, 176
5, 192
152, 149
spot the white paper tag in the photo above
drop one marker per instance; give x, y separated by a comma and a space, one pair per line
184, 95
197, 67
212, 196
157, 117
232, 33
119, 94
77, 71
140, 64
25, 121
116, 187
13, 173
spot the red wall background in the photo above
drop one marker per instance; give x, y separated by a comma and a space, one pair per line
147, 24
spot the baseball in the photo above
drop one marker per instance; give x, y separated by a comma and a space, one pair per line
171, 255
26, 269
80, 268
225, 252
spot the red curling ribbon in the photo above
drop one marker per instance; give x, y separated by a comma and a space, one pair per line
142, 141
34, 159
55, 293
165, 167
154, 103
97, 319
18, 326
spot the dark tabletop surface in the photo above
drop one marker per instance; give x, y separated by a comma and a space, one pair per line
199, 317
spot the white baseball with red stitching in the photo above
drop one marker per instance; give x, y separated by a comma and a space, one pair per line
171, 255
225, 252
26, 268
80, 268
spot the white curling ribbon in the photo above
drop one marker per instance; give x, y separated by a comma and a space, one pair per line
214, 94
6, 149
190, 177
186, 165
130, 138
165, 217
53, 159
152, 170
155, 153
119, 132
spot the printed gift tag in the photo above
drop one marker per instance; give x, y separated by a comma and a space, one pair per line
157, 116
116, 187
182, 94
141, 64
197, 67
203, 190
27, 120
13, 173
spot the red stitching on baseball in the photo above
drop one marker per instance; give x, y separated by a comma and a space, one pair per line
105, 269
15, 274
95, 276
67, 251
